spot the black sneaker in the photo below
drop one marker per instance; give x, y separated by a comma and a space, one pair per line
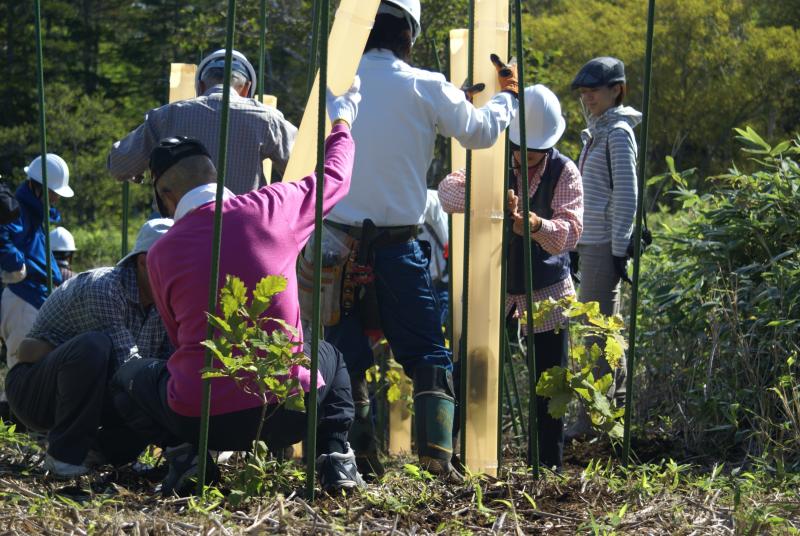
181, 479
338, 472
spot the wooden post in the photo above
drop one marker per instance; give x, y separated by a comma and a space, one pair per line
181, 81
485, 241
272, 102
351, 27
400, 417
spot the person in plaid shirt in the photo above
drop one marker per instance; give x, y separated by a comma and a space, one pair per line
86, 329
556, 216
257, 132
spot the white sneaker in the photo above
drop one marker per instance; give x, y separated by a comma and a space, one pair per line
61, 469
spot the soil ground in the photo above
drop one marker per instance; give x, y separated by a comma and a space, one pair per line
594, 495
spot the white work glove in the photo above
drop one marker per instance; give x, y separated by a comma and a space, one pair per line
345, 106
9, 278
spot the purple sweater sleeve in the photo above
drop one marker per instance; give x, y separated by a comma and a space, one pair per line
299, 198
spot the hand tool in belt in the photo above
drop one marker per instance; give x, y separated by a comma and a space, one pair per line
358, 271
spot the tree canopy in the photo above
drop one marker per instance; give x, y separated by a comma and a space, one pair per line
718, 65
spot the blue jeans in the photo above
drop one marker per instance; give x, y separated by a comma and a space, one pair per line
409, 309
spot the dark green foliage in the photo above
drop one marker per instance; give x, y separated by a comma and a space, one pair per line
721, 310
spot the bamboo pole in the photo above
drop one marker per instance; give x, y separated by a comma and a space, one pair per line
262, 34
637, 235
205, 407
311, 434
533, 426
126, 201
43, 143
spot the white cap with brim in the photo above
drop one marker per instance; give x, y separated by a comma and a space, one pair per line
57, 174
148, 235
544, 123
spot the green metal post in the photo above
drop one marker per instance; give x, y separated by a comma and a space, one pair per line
312, 55
213, 285
43, 141
514, 387
533, 428
311, 436
637, 235
262, 37
126, 201
462, 380
507, 392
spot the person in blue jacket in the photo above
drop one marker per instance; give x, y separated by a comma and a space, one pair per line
23, 256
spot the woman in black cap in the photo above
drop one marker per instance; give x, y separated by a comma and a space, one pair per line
608, 167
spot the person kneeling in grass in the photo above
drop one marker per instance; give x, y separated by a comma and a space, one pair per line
87, 328
263, 232
556, 203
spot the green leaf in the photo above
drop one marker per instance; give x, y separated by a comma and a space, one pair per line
296, 403
614, 351
220, 324
269, 287
233, 296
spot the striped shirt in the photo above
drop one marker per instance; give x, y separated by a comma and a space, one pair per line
104, 300
256, 133
557, 235
608, 214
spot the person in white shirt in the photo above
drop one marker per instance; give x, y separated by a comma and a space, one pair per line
435, 234
403, 109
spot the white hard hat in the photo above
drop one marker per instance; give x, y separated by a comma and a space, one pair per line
57, 174
409, 9
61, 240
544, 124
240, 63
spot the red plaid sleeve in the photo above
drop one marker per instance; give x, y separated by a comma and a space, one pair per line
452, 191
562, 231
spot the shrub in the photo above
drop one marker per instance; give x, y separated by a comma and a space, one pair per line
720, 310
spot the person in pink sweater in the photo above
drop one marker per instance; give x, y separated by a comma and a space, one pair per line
263, 232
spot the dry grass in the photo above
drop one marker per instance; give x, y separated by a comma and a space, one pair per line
600, 499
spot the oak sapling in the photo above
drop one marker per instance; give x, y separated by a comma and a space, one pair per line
257, 352
563, 384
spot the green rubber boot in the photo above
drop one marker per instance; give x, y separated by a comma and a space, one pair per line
362, 436
434, 409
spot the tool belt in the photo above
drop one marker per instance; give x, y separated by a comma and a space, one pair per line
348, 281
383, 236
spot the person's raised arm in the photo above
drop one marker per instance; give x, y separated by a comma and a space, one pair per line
476, 128
129, 157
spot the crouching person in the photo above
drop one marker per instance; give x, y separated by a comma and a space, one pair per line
556, 204
85, 330
263, 232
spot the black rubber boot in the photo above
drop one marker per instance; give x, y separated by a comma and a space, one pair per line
362, 436
434, 409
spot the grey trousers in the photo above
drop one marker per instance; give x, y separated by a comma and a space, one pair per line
600, 283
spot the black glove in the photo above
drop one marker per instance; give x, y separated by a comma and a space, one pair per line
574, 263
621, 267
471, 91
